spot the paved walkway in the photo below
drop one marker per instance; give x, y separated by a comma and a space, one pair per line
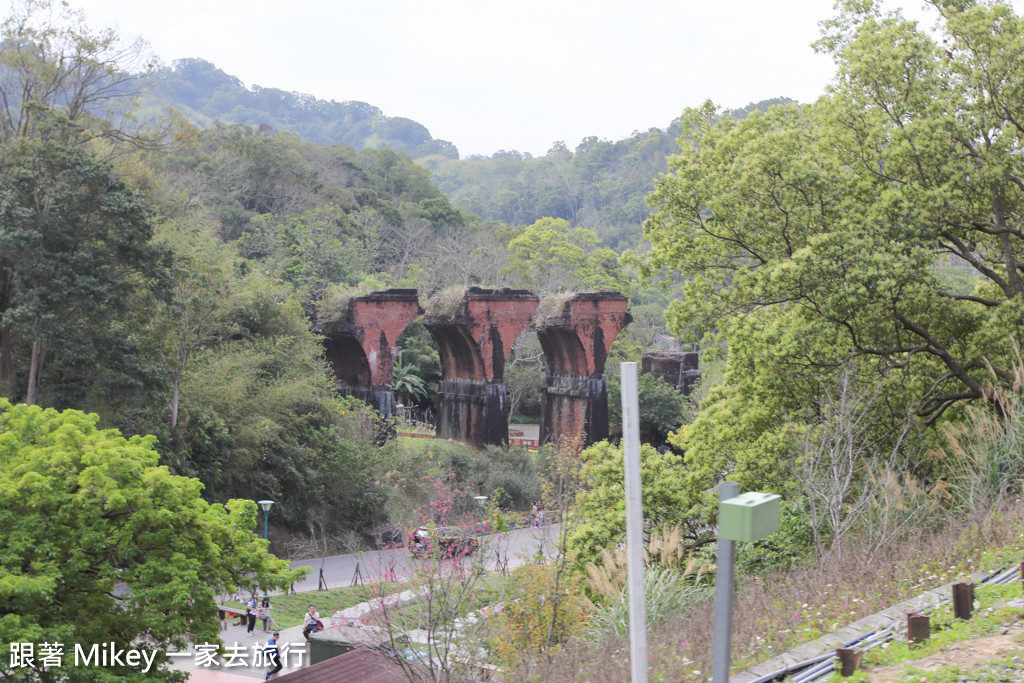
244, 651
515, 548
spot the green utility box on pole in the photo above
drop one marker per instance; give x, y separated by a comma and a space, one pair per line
748, 517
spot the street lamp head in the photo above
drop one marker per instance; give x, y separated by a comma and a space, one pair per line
480, 499
265, 506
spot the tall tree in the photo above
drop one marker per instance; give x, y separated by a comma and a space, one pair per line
843, 215
549, 257
61, 84
49, 55
195, 314
818, 241
74, 247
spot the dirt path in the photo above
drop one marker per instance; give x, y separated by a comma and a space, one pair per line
968, 654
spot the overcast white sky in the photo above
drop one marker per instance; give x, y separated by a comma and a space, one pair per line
489, 75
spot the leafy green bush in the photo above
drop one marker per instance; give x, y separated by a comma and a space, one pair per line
662, 409
509, 474
513, 476
543, 611
601, 506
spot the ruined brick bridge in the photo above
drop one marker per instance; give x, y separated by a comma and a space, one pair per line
473, 342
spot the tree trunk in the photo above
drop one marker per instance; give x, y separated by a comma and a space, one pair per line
35, 369
7, 378
6, 363
174, 400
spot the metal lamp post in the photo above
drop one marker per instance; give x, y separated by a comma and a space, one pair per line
265, 506
480, 500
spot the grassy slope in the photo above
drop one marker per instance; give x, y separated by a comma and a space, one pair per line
288, 610
775, 614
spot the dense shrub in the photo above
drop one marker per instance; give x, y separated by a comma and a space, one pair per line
662, 409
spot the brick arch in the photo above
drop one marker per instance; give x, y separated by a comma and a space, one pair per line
576, 344
461, 356
563, 351
348, 361
473, 342
362, 344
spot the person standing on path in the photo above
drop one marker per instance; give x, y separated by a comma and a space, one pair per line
250, 612
263, 613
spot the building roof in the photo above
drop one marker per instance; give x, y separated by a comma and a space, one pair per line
355, 666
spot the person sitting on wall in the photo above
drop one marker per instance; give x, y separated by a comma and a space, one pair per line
311, 622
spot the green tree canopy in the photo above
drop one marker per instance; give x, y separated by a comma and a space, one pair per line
102, 545
550, 256
601, 505
818, 240
839, 217
75, 247
662, 408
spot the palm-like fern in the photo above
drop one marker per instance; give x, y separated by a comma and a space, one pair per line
406, 382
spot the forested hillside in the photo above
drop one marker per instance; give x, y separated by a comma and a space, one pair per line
170, 281
852, 270
204, 94
600, 185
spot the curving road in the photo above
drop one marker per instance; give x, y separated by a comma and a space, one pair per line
513, 547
